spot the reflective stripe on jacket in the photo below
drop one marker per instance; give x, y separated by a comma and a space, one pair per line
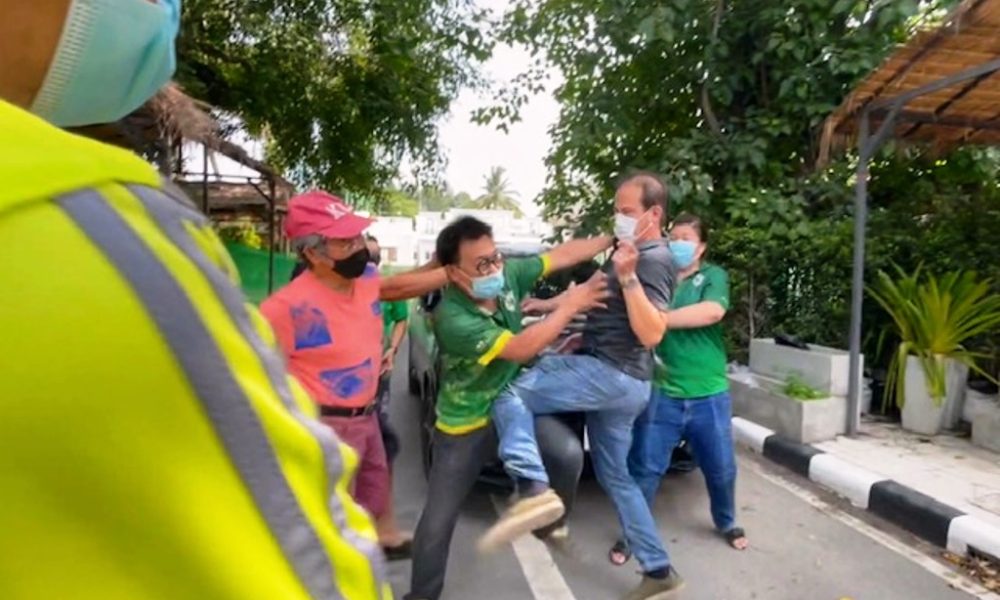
151, 443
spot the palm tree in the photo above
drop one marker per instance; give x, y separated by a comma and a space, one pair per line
497, 194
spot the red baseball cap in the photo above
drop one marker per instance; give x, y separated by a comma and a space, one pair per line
320, 213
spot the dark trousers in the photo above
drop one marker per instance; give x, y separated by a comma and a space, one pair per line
457, 462
390, 439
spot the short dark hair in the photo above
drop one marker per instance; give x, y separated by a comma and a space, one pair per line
463, 229
371, 238
654, 190
694, 222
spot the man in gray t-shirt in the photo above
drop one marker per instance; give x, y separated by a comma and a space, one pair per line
608, 334
609, 380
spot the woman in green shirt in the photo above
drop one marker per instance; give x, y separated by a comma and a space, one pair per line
690, 398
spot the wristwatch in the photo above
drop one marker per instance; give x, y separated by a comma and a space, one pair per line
628, 282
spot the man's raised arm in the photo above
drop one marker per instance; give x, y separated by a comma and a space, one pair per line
575, 252
413, 284
649, 322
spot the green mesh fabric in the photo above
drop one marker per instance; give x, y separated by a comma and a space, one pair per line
252, 265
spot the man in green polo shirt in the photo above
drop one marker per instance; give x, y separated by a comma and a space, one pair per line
483, 345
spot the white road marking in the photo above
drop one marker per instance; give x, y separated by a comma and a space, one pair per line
954, 579
543, 575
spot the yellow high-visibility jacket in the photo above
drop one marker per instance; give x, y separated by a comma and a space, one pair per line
151, 443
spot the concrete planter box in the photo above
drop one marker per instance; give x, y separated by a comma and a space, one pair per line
978, 403
986, 431
825, 369
920, 414
760, 399
983, 411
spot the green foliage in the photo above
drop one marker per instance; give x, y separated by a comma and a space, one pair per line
797, 389
497, 194
240, 231
727, 99
342, 90
391, 203
441, 199
400, 204
934, 318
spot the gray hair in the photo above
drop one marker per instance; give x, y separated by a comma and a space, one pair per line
314, 241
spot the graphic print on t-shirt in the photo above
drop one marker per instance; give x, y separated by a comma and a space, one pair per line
310, 327
345, 383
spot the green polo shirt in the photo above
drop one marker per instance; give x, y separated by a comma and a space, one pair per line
470, 340
393, 312
694, 360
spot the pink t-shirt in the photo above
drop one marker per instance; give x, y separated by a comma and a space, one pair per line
332, 341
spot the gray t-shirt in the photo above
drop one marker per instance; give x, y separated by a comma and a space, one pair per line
608, 334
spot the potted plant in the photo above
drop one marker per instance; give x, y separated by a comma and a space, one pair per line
933, 319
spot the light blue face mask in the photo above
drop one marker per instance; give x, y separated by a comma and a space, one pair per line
683, 252
113, 56
488, 287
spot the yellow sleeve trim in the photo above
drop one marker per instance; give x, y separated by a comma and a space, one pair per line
546, 265
496, 348
460, 429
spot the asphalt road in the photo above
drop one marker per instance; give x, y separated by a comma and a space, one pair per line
804, 545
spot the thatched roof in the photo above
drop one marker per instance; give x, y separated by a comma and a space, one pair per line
965, 112
231, 196
173, 115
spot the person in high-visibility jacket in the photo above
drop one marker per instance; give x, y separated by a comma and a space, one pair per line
152, 444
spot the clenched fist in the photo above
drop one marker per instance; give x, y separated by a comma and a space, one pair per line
625, 259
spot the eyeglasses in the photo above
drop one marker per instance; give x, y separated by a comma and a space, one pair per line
342, 245
486, 265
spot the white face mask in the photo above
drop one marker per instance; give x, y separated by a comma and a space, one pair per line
625, 228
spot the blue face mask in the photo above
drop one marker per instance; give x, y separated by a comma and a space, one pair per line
488, 287
113, 56
683, 252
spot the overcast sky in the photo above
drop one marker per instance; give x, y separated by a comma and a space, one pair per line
472, 149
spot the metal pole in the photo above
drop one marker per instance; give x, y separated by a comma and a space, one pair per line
858, 277
204, 179
270, 235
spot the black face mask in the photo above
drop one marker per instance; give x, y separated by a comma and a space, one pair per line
377, 259
353, 266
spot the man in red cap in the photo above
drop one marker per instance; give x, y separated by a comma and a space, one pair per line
328, 322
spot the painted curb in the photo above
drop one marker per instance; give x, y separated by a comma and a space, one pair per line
933, 521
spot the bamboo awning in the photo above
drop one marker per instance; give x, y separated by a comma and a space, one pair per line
964, 112
173, 115
228, 196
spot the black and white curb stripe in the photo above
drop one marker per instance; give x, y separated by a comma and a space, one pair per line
918, 513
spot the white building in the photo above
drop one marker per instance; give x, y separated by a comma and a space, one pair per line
410, 242
396, 238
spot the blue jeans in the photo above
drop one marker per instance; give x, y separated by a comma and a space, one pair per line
612, 401
706, 423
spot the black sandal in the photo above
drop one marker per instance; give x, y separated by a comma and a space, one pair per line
403, 551
736, 533
619, 553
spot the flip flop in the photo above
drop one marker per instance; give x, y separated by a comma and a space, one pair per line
736, 533
619, 553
